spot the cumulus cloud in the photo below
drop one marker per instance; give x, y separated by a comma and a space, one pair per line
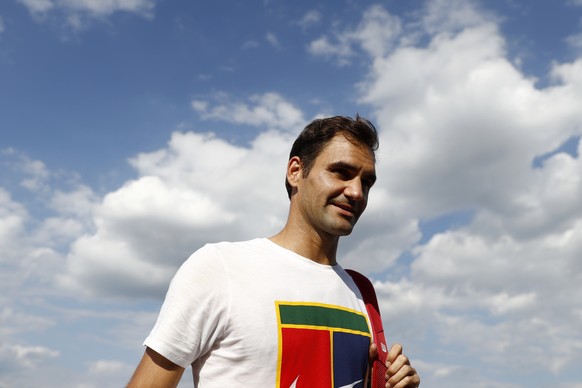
78, 201
33, 174
270, 110
32, 246
27, 248
376, 34
196, 190
460, 130
459, 133
452, 16
475, 111
37, 175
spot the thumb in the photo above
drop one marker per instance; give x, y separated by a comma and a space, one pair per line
373, 353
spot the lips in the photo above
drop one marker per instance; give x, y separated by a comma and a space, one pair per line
346, 209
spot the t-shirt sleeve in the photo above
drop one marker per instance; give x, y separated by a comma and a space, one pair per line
194, 314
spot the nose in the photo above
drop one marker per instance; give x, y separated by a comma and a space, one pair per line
354, 190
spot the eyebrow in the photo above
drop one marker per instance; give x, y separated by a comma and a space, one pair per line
343, 165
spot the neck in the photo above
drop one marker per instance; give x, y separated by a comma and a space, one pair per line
308, 243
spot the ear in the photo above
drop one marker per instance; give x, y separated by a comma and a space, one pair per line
294, 171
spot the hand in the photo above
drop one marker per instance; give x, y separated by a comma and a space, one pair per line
400, 373
372, 353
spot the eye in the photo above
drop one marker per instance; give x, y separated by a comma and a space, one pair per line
342, 173
368, 183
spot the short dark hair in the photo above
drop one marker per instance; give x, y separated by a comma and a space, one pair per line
319, 132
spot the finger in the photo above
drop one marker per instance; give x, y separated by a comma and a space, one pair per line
373, 353
408, 382
404, 377
393, 353
395, 366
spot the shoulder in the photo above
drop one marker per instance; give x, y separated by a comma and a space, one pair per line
218, 254
230, 250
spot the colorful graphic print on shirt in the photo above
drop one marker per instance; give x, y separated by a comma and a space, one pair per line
321, 345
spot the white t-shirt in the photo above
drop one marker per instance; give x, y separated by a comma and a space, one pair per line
254, 314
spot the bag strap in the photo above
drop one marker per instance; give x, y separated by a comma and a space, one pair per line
378, 375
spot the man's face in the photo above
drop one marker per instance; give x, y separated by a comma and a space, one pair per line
334, 194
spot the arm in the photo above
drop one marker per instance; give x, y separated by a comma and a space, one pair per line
400, 373
154, 370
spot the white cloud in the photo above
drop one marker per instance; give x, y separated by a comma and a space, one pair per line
38, 6
57, 230
106, 373
24, 365
78, 13
310, 18
32, 174
376, 34
33, 246
19, 357
269, 110
37, 172
71, 204
200, 106
475, 111
80, 201
273, 40
458, 375
503, 303
377, 31
15, 321
452, 16
384, 232
32, 355
12, 220
250, 44
323, 47
575, 41
460, 128
108, 7
18, 362
197, 189
109, 366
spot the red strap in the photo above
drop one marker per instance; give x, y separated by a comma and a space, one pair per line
378, 378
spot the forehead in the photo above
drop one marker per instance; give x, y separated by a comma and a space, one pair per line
340, 149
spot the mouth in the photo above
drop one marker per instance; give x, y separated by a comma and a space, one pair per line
345, 209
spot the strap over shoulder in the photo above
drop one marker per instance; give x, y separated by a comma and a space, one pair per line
378, 376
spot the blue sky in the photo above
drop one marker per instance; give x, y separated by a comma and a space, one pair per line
134, 131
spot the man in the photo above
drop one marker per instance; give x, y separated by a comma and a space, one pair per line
280, 312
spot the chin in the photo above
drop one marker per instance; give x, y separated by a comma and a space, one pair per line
343, 231
339, 226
